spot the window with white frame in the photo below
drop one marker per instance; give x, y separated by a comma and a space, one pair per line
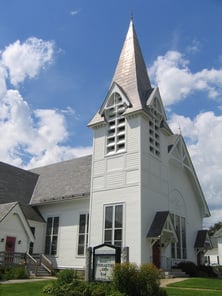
179, 249
116, 132
83, 234
52, 230
113, 225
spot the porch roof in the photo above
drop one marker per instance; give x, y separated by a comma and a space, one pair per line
157, 225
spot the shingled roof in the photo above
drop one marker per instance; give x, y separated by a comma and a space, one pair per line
16, 184
158, 224
6, 208
130, 75
61, 181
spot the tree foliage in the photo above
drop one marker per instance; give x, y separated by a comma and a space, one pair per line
213, 229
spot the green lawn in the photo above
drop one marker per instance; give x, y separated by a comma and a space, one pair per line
206, 286
209, 287
23, 289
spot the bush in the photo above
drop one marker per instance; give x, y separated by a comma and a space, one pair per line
134, 281
197, 271
67, 276
128, 280
125, 278
13, 273
189, 267
149, 277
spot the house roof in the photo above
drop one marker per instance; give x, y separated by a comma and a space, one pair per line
16, 184
61, 181
6, 208
158, 224
202, 239
16, 209
218, 233
131, 75
31, 213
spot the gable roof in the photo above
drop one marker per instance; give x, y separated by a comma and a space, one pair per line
178, 151
16, 184
15, 209
6, 208
61, 181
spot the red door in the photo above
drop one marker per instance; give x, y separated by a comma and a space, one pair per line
156, 254
10, 244
9, 249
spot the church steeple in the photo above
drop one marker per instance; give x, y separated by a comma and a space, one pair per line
130, 77
131, 73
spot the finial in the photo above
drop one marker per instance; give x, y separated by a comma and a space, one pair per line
179, 129
131, 16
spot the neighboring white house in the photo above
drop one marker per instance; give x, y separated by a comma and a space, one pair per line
138, 190
214, 255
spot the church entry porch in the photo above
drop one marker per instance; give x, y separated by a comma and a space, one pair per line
161, 235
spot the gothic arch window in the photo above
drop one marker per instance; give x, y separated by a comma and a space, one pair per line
116, 128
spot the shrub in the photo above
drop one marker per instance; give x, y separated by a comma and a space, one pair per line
134, 281
125, 278
189, 267
12, 273
67, 284
67, 276
149, 277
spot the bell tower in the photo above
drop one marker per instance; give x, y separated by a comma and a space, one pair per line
126, 130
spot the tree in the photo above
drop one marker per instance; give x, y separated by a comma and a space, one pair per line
213, 229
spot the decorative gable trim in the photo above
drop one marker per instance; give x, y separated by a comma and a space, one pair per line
162, 225
178, 151
155, 104
115, 88
15, 209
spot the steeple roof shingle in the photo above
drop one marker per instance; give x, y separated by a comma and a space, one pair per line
131, 75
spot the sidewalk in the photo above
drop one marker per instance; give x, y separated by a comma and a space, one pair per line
36, 279
165, 282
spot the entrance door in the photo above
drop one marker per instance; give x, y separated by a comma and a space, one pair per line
9, 249
156, 254
10, 244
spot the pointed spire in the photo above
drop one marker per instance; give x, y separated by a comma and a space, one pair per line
131, 73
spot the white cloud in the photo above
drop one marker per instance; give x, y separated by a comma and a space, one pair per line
204, 142
30, 138
26, 59
171, 72
74, 12
176, 81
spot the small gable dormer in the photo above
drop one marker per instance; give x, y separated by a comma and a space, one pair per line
157, 118
113, 109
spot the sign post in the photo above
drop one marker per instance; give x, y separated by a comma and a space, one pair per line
104, 258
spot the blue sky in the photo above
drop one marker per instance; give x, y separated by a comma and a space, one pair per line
57, 59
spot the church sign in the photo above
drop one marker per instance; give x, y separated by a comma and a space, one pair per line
104, 258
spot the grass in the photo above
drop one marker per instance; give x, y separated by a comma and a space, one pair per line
190, 292
189, 287
23, 289
196, 287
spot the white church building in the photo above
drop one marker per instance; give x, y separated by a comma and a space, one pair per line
138, 189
